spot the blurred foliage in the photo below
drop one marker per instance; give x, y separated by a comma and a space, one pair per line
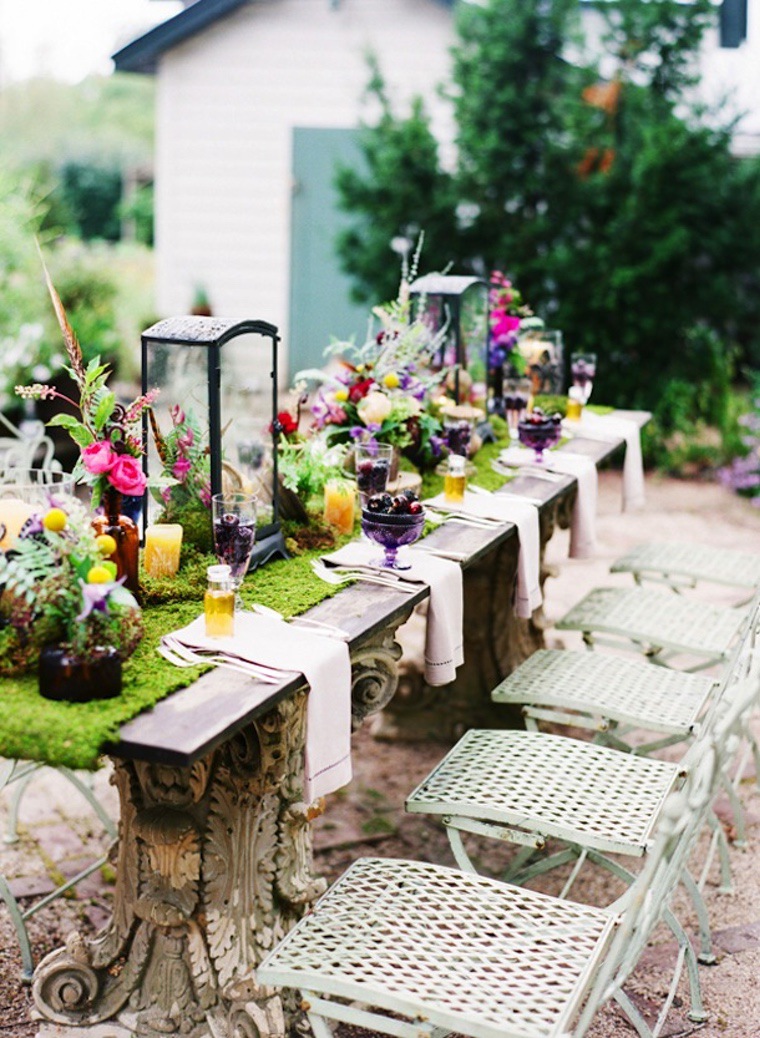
614, 201
75, 146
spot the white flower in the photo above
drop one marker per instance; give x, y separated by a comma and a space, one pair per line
374, 408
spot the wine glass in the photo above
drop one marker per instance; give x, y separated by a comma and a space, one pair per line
391, 531
583, 372
373, 467
517, 394
234, 514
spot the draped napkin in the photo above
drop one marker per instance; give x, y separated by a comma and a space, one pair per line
524, 514
443, 639
583, 521
611, 427
324, 662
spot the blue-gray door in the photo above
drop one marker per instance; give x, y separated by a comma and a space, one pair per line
320, 304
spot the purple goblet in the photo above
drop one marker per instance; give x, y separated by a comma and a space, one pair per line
391, 532
540, 432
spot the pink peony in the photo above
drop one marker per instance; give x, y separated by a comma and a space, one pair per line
99, 457
127, 476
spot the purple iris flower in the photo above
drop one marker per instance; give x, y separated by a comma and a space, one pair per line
95, 597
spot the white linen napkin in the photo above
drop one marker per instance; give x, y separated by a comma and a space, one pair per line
611, 427
444, 637
325, 663
509, 509
583, 521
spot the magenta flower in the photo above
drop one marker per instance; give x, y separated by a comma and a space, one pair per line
181, 468
99, 457
127, 476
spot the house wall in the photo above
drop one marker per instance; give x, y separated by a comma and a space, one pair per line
227, 101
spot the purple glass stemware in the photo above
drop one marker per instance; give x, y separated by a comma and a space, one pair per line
391, 532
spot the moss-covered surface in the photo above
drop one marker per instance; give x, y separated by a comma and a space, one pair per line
74, 733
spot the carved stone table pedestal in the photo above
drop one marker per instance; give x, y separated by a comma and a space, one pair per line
214, 866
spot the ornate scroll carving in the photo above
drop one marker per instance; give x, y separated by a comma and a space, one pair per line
374, 675
214, 866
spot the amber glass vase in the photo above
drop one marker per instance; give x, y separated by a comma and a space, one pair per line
124, 531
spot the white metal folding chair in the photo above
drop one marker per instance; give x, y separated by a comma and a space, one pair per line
448, 950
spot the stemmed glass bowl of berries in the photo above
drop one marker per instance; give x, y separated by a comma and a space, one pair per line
539, 431
392, 522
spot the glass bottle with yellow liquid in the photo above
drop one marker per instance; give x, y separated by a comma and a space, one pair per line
219, 603
455, 480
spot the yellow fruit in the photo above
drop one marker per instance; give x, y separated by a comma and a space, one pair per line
391, 380
106, 543
55, 520
99, 575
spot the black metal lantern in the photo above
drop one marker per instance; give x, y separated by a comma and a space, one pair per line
221, 376
456, 306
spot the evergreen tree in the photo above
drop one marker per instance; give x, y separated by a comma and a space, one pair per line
401, 191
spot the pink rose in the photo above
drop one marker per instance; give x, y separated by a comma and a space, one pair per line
127, 476
99, 457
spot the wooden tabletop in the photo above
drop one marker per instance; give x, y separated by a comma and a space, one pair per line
188, 724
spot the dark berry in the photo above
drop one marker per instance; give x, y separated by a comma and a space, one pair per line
415, 508
376, 504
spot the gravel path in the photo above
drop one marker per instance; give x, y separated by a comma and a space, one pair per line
58, 834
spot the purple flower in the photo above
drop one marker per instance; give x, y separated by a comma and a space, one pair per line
95, 597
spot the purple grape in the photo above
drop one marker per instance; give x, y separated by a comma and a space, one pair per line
233, 542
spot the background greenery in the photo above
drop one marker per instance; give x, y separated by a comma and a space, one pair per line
613, 202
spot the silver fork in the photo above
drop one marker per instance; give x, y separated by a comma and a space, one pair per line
345, 574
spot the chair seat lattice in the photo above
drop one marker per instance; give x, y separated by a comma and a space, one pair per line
656, 618
560, 787
695, 561
496, 960
623, 690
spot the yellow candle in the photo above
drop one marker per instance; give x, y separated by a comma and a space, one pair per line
339, 505
162, 547
13, 514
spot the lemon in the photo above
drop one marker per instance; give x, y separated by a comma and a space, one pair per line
99, 575
106, 543
391, 380
55, 520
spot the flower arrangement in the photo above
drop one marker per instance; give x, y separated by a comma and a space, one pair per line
506, 313
106, 432
185, 462
57, 585
381, 389
743, 474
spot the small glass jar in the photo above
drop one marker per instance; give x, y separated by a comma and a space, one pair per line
219, 603
574, 404
455, 479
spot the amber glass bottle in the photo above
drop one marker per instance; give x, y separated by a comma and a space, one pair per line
124, 531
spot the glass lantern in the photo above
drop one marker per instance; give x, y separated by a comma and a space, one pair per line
457, 305
214, 423
542, 351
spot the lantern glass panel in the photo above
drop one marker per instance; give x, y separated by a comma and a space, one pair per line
216, 377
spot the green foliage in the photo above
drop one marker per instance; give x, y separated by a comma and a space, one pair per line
616, 205
92, 195
402, 190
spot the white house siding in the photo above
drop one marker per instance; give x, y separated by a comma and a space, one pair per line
228, 100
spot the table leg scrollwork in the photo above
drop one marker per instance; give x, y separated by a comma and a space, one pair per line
214, 866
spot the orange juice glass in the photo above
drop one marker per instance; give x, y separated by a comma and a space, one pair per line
340, 507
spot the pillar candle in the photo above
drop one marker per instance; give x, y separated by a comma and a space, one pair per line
13, 514
162, 547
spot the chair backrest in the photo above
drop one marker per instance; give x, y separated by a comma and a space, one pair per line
683, 816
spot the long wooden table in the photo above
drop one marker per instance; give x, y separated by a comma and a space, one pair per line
214, 861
